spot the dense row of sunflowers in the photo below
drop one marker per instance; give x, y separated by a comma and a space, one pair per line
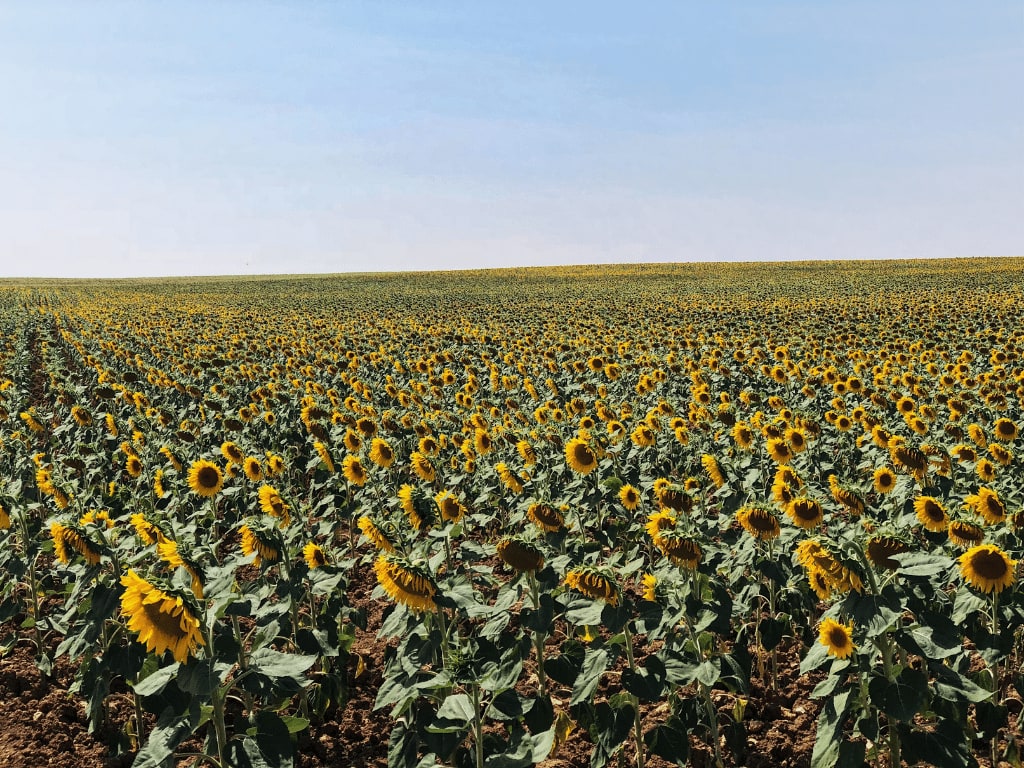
598, 492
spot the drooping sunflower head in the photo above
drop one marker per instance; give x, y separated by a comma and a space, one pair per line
381, 453
909, 460
205, 478
580, 456
546, 517
163, 619
417, 506
593, 583
805, 512
880, 549
714, 471
965, 534
259, 542
988, 568
405, 583
820, 556
374, 532
133, 466
422, 467
760, 522
837, 638
175, 557
681, 549
520, 554
69, 539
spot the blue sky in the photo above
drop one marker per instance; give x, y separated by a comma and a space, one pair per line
144, 139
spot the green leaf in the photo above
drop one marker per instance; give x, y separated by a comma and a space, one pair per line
708, 672
565, 667
284, 670
594, 665
647, 683
903, 697
771, 631
922, 564
171, 729
670, 741
157, 681
951, 685
830, 730
455, 714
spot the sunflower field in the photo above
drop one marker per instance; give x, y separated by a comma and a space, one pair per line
598, 506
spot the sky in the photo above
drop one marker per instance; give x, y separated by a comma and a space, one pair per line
180, 138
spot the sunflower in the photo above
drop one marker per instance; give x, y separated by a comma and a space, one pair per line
353, 442
797, 439
325, 456
260, 543
710, 464
374, 534
820, 585
743, 435
5, 519
988, 505
367, 427
232, 453
449, 506
815, 557
526, 453
162, 620
964, 453
508, 477
977, 435
659, 522
272, 504
682, 550
804, 512
381, 453
779, 450
520, 554
405, 583
910, 460
416, 507
253, 469
593, 583
422, 467
546, 517
354, 470
988, 568
580, 457
931, 513
147, 532
965, 534
837, 638
170, 554
133, 466
1004, 430
880, 549
98, 517
81, 416
1000, 453
642, 436
68, 539
759, 522
205, 478
275, 465
629, 497
986, 470
314, 556
650, 582
482, 441
884, 480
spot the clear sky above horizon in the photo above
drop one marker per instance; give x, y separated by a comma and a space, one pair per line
186, 138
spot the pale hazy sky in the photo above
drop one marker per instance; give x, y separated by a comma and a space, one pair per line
144, 138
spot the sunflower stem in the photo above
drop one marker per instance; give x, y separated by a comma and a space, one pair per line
995, 674
638, 732
538, 636
478, 727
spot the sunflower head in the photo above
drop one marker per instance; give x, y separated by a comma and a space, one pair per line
805, 512
314, 556
406, 583
987, 568
760, 522
880, 548
262, 543
593, 583
580, 456
546, 517
520, 554
373, 531
205, 478
837, 638
163, 619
